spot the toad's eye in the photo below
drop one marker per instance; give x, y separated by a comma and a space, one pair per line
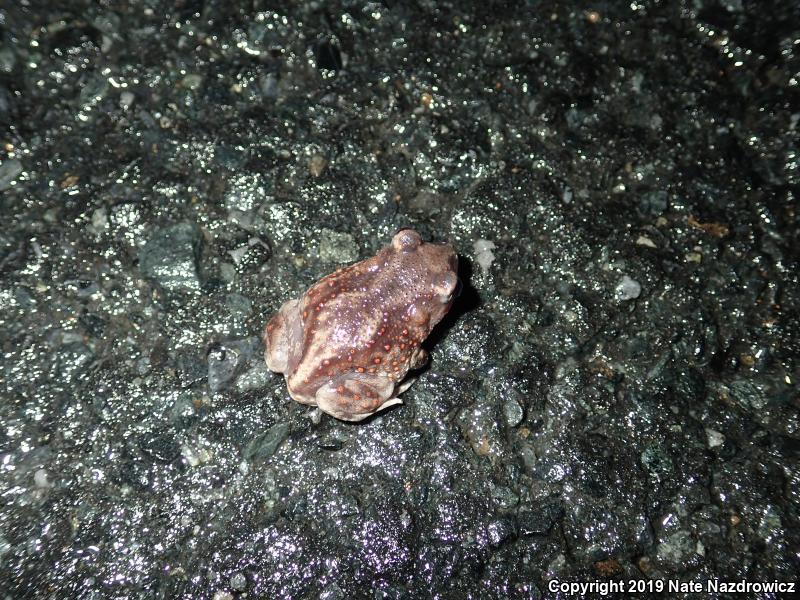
406, 240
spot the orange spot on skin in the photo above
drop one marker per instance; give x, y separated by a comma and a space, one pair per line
340, 389
377, 360
305, 314
402, 346
360, 369
357, 396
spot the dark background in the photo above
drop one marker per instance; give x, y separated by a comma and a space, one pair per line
614, 396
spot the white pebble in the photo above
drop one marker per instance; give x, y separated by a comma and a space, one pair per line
715, 438
484, 255
238, 582
99, 219
40, 479
126, 100
628, 289
643, 240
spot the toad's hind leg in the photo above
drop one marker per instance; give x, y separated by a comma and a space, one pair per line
356, 396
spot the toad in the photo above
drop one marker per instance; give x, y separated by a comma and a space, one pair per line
348, 343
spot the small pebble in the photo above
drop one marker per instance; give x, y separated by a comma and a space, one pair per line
99, 219
40, 479
715, 438
484, 255
628, 289
126, 100
9, 170
317, 165
513, 413
192, 81
694, 257
238, 582
171, 256
643, 240
337, 247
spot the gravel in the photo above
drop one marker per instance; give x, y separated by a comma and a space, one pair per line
613, 396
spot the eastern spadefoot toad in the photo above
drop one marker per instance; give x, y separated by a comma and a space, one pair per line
348, 343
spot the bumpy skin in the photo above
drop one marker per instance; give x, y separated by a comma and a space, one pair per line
348, 343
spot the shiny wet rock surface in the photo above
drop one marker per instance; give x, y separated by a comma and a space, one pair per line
613, 396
